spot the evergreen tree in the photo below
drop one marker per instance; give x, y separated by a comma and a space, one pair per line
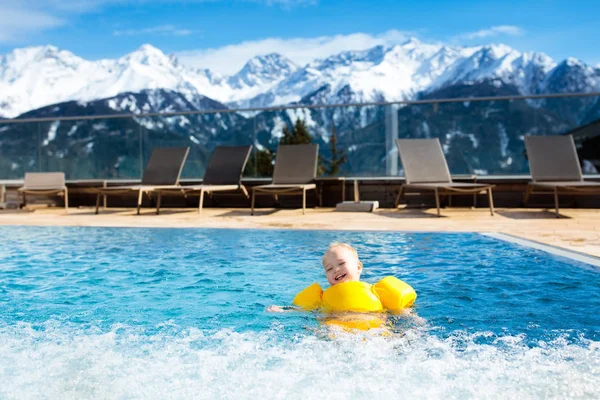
338, 157
287, 136
260, 163
299, 134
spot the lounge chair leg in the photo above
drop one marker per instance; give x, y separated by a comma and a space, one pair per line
303, 201
527, 194
245, 191
556, 200
66, 201
98, 202
158, 200
252, 202
437, 202
24, 203
321, 195
399, 197
140, 194
491, 201
475, 200
201, 201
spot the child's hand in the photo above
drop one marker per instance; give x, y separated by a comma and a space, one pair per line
275, 309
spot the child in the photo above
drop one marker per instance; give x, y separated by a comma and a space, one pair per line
343, 269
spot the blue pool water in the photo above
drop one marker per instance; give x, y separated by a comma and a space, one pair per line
172, 313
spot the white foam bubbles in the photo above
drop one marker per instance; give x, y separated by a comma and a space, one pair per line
60, 361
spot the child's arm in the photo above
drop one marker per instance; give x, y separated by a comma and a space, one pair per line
308, 299
275, 308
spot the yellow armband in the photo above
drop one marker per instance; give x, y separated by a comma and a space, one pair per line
310, 298
394, 294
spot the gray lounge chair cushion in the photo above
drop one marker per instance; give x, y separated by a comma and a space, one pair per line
553, 158
567, 184
423, 161
164, 166
44, 181
226, 165
454, 185
295, 164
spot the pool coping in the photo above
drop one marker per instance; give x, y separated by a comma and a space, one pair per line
558, 251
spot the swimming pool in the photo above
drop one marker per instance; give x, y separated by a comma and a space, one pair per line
176, 313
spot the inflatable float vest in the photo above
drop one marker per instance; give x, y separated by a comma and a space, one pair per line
390, 294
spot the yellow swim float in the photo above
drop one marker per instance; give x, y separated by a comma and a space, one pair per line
350, 304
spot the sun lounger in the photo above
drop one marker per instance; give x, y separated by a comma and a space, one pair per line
425, 168
44, 183
294, 172
223, 173
555, 168
162, 172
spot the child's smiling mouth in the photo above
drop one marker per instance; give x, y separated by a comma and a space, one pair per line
340, 277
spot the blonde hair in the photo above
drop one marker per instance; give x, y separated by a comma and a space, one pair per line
335, 245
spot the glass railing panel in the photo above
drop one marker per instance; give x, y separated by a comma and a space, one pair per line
478, 137
200, 132
360, 135
19, 149
104, 149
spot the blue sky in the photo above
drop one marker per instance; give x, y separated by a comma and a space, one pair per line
220, 34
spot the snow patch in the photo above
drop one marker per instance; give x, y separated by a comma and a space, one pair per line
51, 133
426, 130
503, 140
72, 130
278, 125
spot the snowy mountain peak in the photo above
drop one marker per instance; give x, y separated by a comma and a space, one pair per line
498, 50
541, 59
263, 70
373, 55
21, 58
415, 44
148, 55
571, 76
573, 62
36, 52
412, 42
269, 61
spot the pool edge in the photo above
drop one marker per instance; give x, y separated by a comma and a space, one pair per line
559, 251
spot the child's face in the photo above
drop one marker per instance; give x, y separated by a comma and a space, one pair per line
341, 265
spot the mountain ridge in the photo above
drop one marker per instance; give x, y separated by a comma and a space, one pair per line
35, 77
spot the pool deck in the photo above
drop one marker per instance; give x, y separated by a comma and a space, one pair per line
577, 229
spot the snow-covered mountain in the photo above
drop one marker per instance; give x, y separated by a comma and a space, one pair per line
400, 72
34, 77
259, 74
